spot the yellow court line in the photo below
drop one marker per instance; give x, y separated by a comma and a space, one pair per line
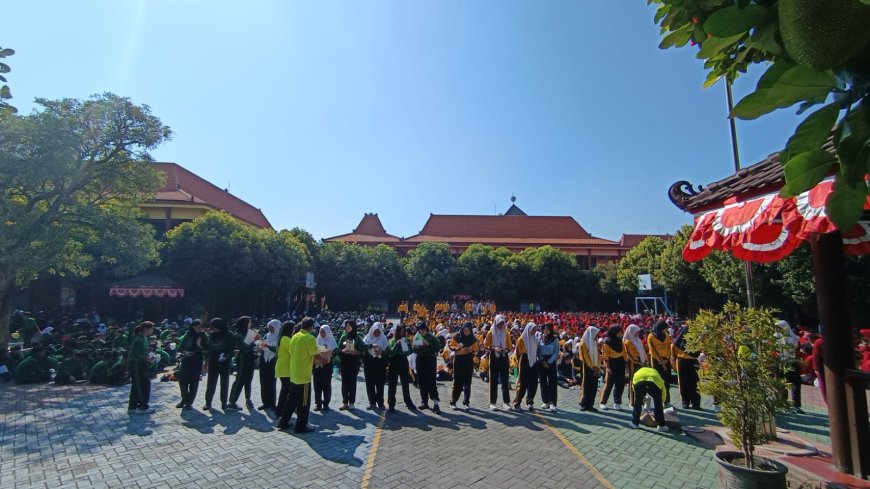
570, 446
370, 463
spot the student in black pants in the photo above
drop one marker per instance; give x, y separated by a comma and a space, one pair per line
350, 347
499, 343
426, 346
464, 347
220, 349
269, 355
323, 373
549, 354
647, 380
140, 389
398, 352
191, 347
245, 337
591, 368
687, 371
375, 365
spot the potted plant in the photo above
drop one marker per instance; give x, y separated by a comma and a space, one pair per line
742, 358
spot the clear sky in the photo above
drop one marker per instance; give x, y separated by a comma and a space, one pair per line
320, 111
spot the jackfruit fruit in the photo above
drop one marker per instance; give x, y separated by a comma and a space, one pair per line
823, 33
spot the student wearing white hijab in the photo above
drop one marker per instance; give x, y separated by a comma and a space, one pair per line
268, 351
323, 373
498, 343
527, 361
635, 354
375, 365
591, 368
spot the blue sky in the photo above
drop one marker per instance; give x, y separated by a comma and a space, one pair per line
320, 111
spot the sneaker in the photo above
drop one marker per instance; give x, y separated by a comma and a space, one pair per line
493, 407
531, 408
436, 409
663, 429
263, 408
305, 429
467, 406
180, 404
232, 407
207, 407
617, 407
545, 406
602, 407
249, 403
454, 406
187, 407
371, 407
552, 409
634, 426
381, 406
423, 407
145, 411
505, 407
411, 407
343, 407
317, 408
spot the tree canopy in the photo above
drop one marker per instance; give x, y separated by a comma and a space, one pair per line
72, 174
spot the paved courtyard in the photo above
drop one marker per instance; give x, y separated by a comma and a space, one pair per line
81, 436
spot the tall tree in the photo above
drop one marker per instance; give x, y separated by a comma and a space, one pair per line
683, 280
482, 270
430, 268
70, 171
5, 92
642, 259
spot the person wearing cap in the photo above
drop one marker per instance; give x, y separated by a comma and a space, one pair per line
192, 344
268, 356
397, 352
303, 354
426, 347
498, 344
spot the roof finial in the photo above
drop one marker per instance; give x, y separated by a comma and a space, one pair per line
513, 199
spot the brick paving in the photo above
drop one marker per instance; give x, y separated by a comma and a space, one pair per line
81, 436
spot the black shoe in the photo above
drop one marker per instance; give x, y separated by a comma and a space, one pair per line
592, 410
436, 409
325, 409
411, 407
391, 409
223, 407
343, 407
423, 407
181, 404
249, 403
207, 407
281, 426
187, 407
798, 410
371, 407
232, 407
263, 408
306, 429
381, 407
317, 408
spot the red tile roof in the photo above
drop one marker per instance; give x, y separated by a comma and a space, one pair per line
632, 240
369, 230
545, 228
507, 241
184, 186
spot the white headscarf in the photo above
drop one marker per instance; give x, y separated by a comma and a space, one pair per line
329, 341
531, 342
499, 335
632, 332
590, 339
379, 341
272, 339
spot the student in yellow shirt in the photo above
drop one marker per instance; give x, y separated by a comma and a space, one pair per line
659, 345
635, 354
498, 343
527, 362
591, 368
303, 353
613, 352
648, 381
464, 347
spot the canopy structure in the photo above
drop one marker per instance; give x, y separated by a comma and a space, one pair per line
156, 284
744, 215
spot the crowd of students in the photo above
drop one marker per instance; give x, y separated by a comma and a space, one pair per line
517, 354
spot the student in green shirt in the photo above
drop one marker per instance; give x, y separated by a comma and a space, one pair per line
34, 369
140, 389
398, 352
426, 346
221, 344
350, 346
303, 354
192, 344
245, 338
99, 373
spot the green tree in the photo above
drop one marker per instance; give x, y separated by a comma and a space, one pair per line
683, 280
482, 270
234, 267
343, 275
818, 53
306, 239
556, 277
71, 173
643, 258
5, 92
386, 276
430, 268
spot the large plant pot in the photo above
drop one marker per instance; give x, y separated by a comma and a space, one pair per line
739, 477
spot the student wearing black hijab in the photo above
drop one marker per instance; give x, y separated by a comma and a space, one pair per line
350, 346
427, 347
614, 361
464, 347
221, 344
191, 347
245, 336
659, 345
398, 352
687, 371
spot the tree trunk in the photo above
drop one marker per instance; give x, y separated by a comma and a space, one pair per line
7, 288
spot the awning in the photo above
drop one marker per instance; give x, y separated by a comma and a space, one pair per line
767, 228
156, 284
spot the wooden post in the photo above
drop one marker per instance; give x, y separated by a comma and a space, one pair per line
829, 267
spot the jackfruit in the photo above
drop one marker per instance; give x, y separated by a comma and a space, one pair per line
823, 33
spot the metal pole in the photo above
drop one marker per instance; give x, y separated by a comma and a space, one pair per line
747, 267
